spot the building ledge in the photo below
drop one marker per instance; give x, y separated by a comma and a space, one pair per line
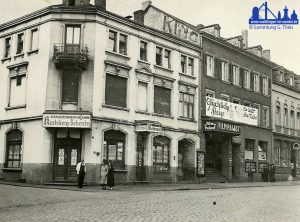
115, 107
187, 75
117, 54
17, 169
187, 119
163, 68
15, 107
163, 115
142, 112
19, 55
32, 51
6, 59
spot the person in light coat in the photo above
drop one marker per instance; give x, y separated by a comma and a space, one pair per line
103, 174
81, 170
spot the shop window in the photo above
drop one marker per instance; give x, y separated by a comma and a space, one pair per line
225, 71
249, 149
284, 153
277, 116
34, 39
186, 104
116, 91
70, 87
117, 42
14, 149
277, 152
292, 119
143, 51
17, 87
210, 63
266, 116
114, 148
163, 57
262, 150
256, 82
20, 43
141, 99
161, 153
247, 79
7, 47
162, 100
265, 86
236, 75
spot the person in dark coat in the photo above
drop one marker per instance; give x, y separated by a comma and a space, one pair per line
81, 170
110, 175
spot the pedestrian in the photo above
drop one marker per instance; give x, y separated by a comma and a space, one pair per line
272, 173
103, 174
110, 175
81, 170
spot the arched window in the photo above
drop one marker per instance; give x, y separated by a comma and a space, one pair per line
298, 122
14, 149
114, 148
278, 116
285, 117
161, 153
292, 119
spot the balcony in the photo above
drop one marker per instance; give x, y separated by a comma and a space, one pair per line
70, 56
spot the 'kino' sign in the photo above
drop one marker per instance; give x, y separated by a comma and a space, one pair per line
231, 111
67, 121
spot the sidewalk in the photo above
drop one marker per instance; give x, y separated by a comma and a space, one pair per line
161, 187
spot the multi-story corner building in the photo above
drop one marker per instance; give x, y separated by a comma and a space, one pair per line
236, 95
78, 82
286, 123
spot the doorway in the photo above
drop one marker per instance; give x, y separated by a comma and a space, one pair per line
235, 160
67, 154
186, 158
140, 157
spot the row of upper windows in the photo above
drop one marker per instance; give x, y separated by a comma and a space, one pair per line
230, 72
118, 44
265, 121
20, 43
287, 118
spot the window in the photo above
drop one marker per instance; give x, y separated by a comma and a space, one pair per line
161, 153
116, 91
7, 47
162, 100
265, 89
114, 148
210, 93
183, 64
190, 66
34, 39
277, 152
123, 44
14, 149
20, 43
17, 87
291, 82
187, 65
236, 100
73, 35
266, 118
285, 118
281, 76
225, 97
257, 106
163, 57
277, 116
112, 45
143, 51
141, 99
236, 75
292, 119
262, 150
247, 103
70, 86
247, 79
298, 121
167, 59
159, 56
249, 149
224, 70
210, 65
284, 153
186, 103
256, 82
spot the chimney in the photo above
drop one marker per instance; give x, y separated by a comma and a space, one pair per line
266, 54
245, 38
73, 3
100, 4
139, 16
145, 4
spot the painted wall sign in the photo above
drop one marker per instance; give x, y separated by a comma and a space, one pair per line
216, 125
200, 163
231, 111
157, 19
148, 128
67, 121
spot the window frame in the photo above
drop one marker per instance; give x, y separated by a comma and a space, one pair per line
19, 49
7, 47
236, 75
209, 91
34, 30
223, 96
190, 105
265, 85
185, 67
247, 84
155, 108
106, 90
117, 43
18, 142
144, 51
256, 84
156, 144
225, 76
210, 57
266, 116
164, 57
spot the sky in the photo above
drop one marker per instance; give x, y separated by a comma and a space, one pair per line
231, 15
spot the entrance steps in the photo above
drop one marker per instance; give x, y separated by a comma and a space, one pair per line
214, 176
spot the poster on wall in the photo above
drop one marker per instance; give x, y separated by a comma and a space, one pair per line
200, 164
250, 167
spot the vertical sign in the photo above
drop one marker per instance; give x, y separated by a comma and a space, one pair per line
200, 164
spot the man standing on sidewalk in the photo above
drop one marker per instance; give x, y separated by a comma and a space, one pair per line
81, 169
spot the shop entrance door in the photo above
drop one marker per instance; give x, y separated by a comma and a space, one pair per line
66, 156
140, 168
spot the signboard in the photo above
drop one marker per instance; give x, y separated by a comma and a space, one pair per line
250, 167
157, 19
148, 128
67, 121
236, 140
216, 125
200, 164
231, 111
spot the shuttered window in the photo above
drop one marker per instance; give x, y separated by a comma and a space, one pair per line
162, 100
115, 91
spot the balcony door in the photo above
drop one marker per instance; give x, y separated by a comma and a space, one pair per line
72, 39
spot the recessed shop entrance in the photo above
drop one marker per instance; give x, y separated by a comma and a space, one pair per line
140, 153
67, 153
186, 160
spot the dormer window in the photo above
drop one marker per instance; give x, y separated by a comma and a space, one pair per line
291, 80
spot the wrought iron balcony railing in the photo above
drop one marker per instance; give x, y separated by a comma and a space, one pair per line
70, 56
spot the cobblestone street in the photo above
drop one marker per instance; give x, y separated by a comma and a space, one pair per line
271, 203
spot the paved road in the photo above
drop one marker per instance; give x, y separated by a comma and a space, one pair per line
276, 203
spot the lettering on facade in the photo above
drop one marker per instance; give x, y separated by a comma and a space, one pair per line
148, 128
67, 121
214, 125
210, 126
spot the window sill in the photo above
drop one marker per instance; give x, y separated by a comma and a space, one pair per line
15, 107
187, 119
142, 112
18, 169
162, 115
187, 75
143, 61
118, 54
115, 107
6, 59
211, 77
32, 51
163, 68
19, 55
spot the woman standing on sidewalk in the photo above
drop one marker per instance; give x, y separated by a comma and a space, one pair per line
110, 175
103, 174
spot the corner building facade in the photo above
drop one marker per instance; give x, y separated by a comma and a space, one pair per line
80, 82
